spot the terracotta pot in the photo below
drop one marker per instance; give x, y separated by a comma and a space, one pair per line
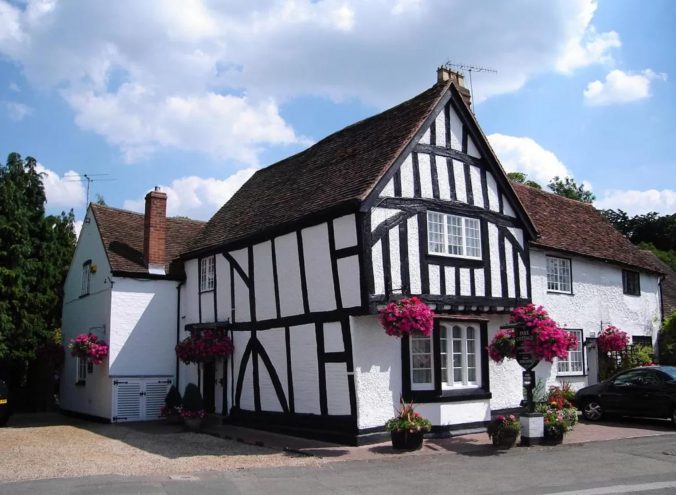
193, 424
506, 440
407, 440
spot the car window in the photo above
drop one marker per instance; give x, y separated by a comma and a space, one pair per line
629, 378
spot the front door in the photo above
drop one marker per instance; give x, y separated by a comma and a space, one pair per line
208, 385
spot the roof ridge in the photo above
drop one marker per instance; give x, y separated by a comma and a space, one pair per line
542, 191
178, 218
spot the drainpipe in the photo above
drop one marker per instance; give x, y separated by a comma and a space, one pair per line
178, 324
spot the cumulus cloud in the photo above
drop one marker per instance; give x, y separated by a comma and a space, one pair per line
77, 228
523, 154
17, 111
197, 197
66, 191
636, 202
621, 87
134, 72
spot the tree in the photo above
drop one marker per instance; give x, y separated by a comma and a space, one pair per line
521, 178
35, 252
568, 188
100, 200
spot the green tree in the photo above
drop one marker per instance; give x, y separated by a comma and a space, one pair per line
568, 188
35, 252
521, 178
100, 200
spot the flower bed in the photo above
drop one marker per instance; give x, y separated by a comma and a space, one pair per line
407, 316
88, 346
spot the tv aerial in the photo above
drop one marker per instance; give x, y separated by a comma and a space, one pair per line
89, 178
462, 68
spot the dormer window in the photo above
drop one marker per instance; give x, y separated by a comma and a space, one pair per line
86, 277
452, 235
207, 273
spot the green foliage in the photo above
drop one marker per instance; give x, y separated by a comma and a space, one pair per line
521, 178
408, 419
100, 200
173, 398
192, 398
568, 188
35, 253
666, 341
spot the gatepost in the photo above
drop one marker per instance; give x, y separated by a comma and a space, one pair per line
532, 423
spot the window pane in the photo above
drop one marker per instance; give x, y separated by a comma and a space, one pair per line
454, 239
473, 238
435, 232
421, 360
574, 362
558, 274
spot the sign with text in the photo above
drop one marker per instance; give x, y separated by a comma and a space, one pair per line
524, 355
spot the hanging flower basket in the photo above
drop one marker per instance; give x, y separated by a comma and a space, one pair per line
550, 341
88, 346
407, 316
204, 346
612, 339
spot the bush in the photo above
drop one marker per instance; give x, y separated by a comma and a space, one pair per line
666, 340
173, 398
192, 398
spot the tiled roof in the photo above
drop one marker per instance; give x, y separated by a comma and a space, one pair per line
122, 236
339, 170
579, 228
668, 288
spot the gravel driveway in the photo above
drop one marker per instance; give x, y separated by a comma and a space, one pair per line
39, 446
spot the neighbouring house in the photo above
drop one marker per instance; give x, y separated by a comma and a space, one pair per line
122, 287
295, 266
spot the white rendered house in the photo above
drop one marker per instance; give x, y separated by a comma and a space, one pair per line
121, 286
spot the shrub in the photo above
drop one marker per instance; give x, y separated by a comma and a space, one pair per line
502, 426
407, 419
666, 341
192, 399
173, 399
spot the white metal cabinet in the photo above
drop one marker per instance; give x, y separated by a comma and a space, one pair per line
139, 399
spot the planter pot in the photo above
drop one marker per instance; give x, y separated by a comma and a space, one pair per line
174, 419
193, 424
407, 440
553, 438
506, 440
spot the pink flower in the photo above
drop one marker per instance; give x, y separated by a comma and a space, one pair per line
407, 316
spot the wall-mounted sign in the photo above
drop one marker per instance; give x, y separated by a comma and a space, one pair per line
524, 355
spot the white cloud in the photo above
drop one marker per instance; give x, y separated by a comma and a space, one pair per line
77, 228
621, 87
197, 197
636, 202
134, 72
17, 111
523, 154
65, 191
14, 87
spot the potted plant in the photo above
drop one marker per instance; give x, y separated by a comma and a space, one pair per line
88, 346
172, 406
560, 416
193, 412
407, 428
407, 316
504, 431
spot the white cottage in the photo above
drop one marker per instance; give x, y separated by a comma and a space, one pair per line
121, 286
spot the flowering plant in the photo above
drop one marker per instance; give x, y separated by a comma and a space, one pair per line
406, 316
408, 419
503, 426
167, 411
613, 339
200, 413
204, 346
560, 415
88, 346
549, 341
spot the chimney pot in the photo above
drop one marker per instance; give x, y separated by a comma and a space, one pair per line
155, 232
445, 74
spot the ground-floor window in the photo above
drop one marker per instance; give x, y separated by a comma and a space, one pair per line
451, 359
81, 370
574, 364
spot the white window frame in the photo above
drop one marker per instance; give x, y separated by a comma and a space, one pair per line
467, 224
80, 370
207, 273
566, 364
86, 277
459, 346
421, 385
554, 266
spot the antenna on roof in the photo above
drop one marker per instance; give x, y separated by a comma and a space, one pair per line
468, 68
89, 178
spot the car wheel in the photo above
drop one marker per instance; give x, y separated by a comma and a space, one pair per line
592, 410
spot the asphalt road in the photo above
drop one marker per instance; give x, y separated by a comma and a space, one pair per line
634, 466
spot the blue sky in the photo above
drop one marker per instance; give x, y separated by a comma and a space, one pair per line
195, 95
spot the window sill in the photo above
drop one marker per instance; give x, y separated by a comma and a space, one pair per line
575, 373
560, 292
204, 291
83, 295
632, 295
455, 256
419, 396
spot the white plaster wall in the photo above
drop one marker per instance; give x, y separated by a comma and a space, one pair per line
460, 185
442, 177
395, 261
450, 279
240, 341
472, 149
456, 130
494, 249
477, 190
208, 306
509, 257
348, 277
223, 301
425, 170
388, 190
493, 198
304, 369
505, 378
440, 129
406, 172
413, 256
273, 342
465, 287
507, 207
379, 215
377, 264
321, 295
264, 283
333, 337
143, 328
84, 314
480, 282
288, 275
242, 306
189, 314
337, 390
345, 229
434, 279
455, 413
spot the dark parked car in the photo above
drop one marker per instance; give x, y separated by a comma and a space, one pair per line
648, 392
4, 403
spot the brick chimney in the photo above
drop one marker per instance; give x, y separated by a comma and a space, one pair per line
444, 74
155, 232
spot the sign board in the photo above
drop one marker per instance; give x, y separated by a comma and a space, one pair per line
524, 357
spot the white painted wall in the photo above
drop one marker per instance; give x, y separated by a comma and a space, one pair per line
321, 295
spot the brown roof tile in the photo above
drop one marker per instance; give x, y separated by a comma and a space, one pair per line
339, 170
575, 227
122, 236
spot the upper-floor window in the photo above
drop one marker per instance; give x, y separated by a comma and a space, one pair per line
574, 364
558, 275
452, 235
86, 277
80, 371
631, 282
207, 273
